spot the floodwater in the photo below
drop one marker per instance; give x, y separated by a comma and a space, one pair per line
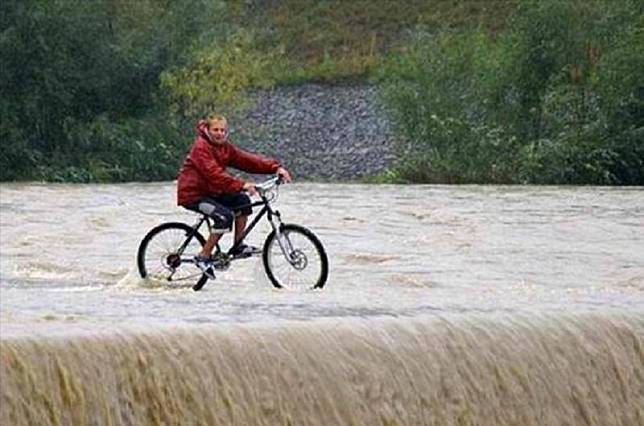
517, 292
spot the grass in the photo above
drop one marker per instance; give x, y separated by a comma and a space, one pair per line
338, 40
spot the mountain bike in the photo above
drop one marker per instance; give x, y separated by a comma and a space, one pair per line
292, 255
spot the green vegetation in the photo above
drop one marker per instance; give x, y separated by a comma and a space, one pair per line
332, 40
556, 98
80, 96
481, 91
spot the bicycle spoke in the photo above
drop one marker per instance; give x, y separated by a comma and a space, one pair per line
162, 260
305, 270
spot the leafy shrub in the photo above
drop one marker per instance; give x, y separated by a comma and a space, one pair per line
144, 149
72, 67
219, 76
555, 99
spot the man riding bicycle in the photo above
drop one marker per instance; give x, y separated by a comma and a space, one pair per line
206, 187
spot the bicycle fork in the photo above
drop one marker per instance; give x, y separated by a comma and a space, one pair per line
282, 239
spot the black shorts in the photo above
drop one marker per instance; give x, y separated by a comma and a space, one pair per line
223, 209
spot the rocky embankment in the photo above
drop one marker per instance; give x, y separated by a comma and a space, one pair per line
319, 132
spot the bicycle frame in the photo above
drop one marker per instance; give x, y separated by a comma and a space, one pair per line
266, 210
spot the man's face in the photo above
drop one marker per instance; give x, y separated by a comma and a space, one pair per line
218, 131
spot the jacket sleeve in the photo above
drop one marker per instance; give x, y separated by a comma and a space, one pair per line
253, 163
214, 172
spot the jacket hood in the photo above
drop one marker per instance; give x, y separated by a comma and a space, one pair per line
202, 130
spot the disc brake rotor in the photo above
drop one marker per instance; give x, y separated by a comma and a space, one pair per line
299, 260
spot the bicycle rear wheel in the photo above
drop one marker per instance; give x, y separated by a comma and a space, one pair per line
160, 256
294, 258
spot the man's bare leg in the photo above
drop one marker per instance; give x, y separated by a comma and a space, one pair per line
240, 226
213, 239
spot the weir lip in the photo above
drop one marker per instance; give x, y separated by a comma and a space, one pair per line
482, 369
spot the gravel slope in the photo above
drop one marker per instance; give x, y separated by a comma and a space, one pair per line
319, 132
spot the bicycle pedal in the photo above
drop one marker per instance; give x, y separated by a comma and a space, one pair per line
242, 255
206, 267
209, 272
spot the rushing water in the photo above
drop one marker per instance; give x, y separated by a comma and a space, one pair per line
444, 304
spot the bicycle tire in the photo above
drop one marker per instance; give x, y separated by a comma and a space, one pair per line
144, 257
271, 253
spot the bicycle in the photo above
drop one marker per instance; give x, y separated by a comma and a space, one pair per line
290, 252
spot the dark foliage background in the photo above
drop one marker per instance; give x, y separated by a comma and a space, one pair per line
509, 91
558, 97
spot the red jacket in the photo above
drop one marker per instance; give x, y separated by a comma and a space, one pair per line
203, 172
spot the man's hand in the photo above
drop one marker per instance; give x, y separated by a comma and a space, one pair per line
250, 188
284, 174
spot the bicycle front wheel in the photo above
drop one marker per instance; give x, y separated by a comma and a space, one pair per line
294, 258
164, 256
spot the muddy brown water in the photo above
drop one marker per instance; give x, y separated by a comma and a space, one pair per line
444, 305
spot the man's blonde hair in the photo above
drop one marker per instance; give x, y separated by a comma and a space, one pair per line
217, 119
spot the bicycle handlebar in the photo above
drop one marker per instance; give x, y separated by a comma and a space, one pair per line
269, 184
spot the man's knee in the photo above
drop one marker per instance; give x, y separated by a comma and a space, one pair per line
243, 198
222, 217
227, 219
243, 205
